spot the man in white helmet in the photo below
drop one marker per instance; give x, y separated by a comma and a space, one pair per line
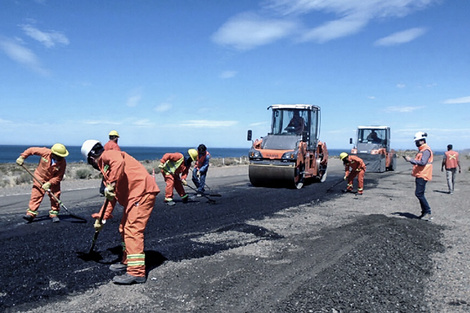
50, 172
129, 183
422, 171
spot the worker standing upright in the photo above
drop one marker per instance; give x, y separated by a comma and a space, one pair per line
112, 144
50, 172
353, 166
200, 169
175, 167
451, 161
129, 183
422, 171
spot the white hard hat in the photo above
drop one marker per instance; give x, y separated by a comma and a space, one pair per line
420, 136
88, 146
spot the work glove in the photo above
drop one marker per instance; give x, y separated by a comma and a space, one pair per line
161, 165
99, 226
358, 170
109, 192
46, 186
20, 161
345, 177
184, 182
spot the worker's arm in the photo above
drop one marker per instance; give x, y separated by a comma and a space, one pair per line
424, 159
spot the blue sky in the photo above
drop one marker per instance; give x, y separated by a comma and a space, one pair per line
184, 72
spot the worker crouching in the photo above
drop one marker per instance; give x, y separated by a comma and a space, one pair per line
353, 166
48, 175
175, 167
129, 183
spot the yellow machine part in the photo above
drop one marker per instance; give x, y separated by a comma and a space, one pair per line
265, 175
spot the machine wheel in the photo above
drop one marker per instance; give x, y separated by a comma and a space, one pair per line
393, 164
299, 176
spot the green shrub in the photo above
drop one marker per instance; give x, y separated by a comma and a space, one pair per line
23, 178
83, 173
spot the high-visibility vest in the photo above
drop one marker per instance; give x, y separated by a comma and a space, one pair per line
452, 159
423, 171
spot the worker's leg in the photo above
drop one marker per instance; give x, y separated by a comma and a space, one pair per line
195, 178
360, 182
202, 181
419, 193
37, 194
170, 183
351, 180
449, 180
55, 207
133, 225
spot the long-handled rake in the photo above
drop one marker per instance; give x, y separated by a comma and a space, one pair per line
92, 255
62, 205
212, 201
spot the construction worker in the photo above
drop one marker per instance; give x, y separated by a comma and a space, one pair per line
172, 165
200, 169
129, 183
50, 172
112, 144
422, 171
353, 166
297, 123
450, 161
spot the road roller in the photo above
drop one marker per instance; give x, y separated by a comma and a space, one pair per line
292, 152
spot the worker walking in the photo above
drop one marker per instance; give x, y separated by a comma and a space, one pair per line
175, 167
129, 183
422, 171
200, 169
450, 161
112, 144
50, 172
353, 166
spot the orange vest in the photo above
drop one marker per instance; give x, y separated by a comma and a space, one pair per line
452, 159
423, 171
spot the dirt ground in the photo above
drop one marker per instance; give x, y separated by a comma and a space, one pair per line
336, 253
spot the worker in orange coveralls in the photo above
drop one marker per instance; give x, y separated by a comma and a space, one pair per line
353, 166
112, 144
172, 165
50, 172
129, 183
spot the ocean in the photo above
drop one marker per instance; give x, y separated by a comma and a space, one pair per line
9, 153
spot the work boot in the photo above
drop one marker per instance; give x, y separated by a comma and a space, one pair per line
425, 217
55, 219
28, 218
185, 198
170, 202
118, 267
199, 194
128, 279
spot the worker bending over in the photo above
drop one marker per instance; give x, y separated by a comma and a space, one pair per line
129, 183
50, 172
353, 166
200, 169
175, 167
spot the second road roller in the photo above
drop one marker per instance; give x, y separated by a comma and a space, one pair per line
292, 152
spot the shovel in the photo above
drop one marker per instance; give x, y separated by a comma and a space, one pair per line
82, 220
92, 255
212, 201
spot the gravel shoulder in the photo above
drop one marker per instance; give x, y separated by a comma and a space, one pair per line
316, 257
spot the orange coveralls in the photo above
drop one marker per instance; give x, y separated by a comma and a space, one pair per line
45, 172
135, 190
356, 167
112, 145
171, 173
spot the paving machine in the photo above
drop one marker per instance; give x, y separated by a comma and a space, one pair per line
373, 147
292, 151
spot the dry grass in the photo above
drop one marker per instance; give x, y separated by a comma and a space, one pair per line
13, 175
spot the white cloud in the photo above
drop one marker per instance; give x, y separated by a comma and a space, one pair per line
163, 107
404, 109
401, 37
18, 53
208, 124
100, 122
401, 85
279, 19
143, 123
48, 39
247, 31
457, 100
228, 74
